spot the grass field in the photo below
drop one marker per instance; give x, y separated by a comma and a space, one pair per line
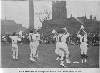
47, 57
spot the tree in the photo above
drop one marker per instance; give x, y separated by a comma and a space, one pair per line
46, 16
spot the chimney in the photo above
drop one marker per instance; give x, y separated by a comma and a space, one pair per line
71, 16
94, 18
91, 17
31, 14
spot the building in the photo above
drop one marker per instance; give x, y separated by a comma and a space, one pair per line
59, 10
9, 26
59, 17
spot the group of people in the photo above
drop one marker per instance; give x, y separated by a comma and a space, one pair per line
62, 49
33, 37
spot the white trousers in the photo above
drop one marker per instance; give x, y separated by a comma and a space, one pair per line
15, 51
33, 48
62, 49
84, 48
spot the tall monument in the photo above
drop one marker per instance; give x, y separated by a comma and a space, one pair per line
31, 14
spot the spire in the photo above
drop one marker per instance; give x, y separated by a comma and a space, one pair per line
91, 16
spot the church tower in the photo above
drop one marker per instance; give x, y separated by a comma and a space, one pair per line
59, 10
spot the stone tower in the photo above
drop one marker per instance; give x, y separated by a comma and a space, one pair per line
59, 10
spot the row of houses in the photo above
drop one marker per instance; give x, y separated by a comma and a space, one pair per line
10, 26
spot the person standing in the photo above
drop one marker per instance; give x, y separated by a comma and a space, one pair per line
83, 45
15, 40
34, 43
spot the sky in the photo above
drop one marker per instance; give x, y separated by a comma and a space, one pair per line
19, 10
39, 12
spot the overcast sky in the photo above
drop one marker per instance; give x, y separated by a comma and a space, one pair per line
19, 10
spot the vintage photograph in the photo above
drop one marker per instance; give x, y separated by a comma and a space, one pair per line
50, 33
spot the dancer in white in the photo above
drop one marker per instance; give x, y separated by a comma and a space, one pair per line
21, 35
58, 44
15, 40
83, 44
34, 43
63, 40
37, 42
61, 47
65, 48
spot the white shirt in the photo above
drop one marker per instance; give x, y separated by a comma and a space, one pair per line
34, 37
58, 37
63, 38
31, 37
15, 39
84, 38
37, 36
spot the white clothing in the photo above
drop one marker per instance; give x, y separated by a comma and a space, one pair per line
34, 43
83, 45
15, 39
62, 47
63, 38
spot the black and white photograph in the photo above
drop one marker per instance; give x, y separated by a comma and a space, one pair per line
50, 33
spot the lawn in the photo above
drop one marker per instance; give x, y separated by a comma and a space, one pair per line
47, 57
